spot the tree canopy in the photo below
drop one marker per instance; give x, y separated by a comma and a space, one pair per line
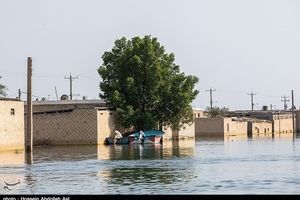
216, 111
2, 89
145, 86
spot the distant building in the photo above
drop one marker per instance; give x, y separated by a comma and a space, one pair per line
198, 112
282, 121
11, 124
220, 126
259, 127
252, 123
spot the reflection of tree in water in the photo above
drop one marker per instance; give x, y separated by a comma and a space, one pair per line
135, 152
149, 151
158, 164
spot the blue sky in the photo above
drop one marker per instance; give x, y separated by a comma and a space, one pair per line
233, 46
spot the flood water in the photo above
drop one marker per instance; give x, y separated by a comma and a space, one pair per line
205, 166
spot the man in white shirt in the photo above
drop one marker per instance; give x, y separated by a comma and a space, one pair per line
117, 136
142, 136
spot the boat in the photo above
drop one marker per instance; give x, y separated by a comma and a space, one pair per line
151, 137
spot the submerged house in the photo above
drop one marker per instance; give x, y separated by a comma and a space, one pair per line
249, 123
11, 124
68, 122
72, 122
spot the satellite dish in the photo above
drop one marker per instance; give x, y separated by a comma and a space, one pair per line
64, 97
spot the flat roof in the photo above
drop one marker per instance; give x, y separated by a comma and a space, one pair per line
67, 102
8, 99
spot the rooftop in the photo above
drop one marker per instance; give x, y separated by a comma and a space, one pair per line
8, 99
68, 102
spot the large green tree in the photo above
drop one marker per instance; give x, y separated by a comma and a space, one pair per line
145, 86
2, 89
217, 111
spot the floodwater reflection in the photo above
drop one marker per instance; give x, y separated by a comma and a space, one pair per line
177, 148
10, 181
212, 165
143, 169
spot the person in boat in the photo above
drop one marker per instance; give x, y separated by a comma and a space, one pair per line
142, 136
117, 136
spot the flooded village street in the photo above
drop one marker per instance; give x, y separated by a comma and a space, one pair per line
120, 98
205, 166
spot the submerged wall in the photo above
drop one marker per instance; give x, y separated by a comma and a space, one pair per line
11, 125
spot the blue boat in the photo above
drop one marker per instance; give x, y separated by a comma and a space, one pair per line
151, 137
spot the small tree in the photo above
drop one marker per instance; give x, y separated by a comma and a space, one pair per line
3, 89
145, 85
216, 111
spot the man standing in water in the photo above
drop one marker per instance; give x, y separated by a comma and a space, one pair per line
142, 136
117, 137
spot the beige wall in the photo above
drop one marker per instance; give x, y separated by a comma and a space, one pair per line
106, 125
187, 131
219, 126
76, 127
283, 125
12, 158
260, 128
11, 125
235, 127
198, 113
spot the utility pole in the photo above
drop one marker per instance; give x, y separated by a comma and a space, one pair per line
28, 137
211, 99
19, 94
272, 106
71, 78
293, 113
252, 104
56, 93
285, 100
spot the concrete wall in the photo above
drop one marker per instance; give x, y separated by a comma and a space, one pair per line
106, 125
283, 125
198, 113
235, 127
187, 131
297, 121
219, 126
11, 125
256, 128
78, 126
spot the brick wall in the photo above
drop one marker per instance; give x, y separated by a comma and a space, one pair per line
209, 126
11, 125
78, 126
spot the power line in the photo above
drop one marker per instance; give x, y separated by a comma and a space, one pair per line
211, 98
285, 100
71, 78
252, 104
